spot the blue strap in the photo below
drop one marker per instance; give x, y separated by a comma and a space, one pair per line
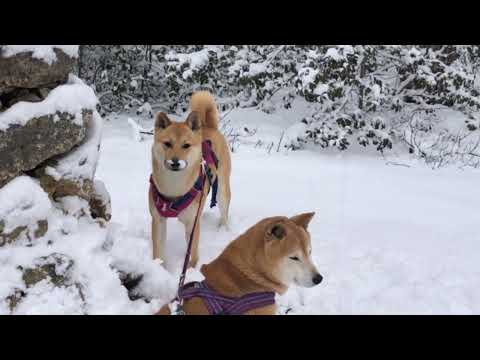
213, 199
214, 185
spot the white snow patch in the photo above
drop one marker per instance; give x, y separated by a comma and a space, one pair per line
74, 205
257, 68
339, 53
320, 89
307, 76
376, 90
100, 189
294, 132
81, 163
135, 130
23, 202
45, 298
194, 60
53, 173
333, 53
146, 108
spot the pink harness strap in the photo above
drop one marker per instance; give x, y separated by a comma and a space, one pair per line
172, 208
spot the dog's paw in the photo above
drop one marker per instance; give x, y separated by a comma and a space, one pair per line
159, 262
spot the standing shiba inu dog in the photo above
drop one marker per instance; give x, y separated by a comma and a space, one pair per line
178, 155
266, 259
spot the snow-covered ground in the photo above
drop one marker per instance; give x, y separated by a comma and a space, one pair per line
387, 239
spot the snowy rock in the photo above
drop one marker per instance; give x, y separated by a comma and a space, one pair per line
17, 95
32, 132
61, 187
55, 268
100, 202
45, 53
75, 206
14, 299
24, 210
24, 70
73, 98
130, 281
21, 231
23, 148
52, 272
72, 174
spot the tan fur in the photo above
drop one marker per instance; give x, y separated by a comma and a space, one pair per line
201, 124
204, 103
253, 262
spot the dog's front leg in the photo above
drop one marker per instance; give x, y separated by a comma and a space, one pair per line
196, 237
159, 235
224, 201
187, 217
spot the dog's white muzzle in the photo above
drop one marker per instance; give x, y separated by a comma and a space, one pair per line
176, 165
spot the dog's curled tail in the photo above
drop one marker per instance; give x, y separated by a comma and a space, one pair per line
204, 103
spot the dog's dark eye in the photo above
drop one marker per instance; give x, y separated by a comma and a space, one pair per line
168, 144
294, 258
186, 146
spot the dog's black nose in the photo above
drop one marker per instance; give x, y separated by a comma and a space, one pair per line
317, 279
175, 164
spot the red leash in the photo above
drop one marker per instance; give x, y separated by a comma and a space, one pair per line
187, 255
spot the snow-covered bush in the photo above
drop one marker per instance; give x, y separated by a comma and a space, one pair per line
365, 94
127, 77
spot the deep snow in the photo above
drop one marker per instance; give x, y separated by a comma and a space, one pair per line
22, 201
387, 239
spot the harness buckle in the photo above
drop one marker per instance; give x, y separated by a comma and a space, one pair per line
176, 307
180, 310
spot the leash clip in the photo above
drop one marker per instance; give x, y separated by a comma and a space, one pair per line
176, 307
180, 310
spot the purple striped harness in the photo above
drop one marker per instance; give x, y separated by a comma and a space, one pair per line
224, 305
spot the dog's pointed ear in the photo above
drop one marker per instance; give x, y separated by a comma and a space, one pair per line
276, 231
303, 219
162, 121
193, 121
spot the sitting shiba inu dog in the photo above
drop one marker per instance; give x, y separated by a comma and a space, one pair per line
265, 260
187, 159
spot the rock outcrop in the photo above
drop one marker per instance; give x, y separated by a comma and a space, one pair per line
24, 211
22, 71
50, 134
55, 269
23, 148
49, 128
